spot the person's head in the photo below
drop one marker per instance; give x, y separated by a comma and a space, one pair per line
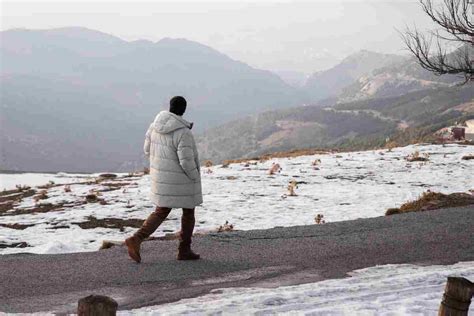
178, 105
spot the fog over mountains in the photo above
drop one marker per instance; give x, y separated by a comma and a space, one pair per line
75, 99
80, 100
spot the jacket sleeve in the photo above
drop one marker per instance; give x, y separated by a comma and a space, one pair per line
187, 155
146, 146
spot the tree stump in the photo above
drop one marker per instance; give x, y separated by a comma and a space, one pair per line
97, 305
457, 297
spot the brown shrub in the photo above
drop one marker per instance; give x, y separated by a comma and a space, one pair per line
91, 198
227, 227
114, 223
432, 201
42, 195
280, 154
319, 219
417, 157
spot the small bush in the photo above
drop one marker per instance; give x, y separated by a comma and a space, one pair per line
432, 201
316, 162
468, 157
392, 211
291, 188
391, 145
92, 198
21, 188
275, 168
415, 156
319, 219
48, 185
227, 227
42, 195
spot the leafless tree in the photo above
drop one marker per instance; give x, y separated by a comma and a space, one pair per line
454, 21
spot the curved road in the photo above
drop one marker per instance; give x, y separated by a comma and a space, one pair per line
279, 256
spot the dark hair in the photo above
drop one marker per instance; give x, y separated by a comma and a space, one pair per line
178, 105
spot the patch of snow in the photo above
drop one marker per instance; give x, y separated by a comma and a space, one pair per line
381, 290
9, 181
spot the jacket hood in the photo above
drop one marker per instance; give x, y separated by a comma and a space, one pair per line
167, 122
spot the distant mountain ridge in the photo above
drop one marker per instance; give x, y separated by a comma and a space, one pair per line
145, 72
399, 78
331, 82
70, 88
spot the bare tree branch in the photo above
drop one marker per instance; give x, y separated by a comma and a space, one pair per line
454, 20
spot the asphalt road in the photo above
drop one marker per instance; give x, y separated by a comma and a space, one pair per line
279, 256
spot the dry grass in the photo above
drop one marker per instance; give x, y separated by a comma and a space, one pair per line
319, 219
42, 195
281, 154
22, 188
17, 226
21, 244
108, 176
275, 168
15, 195
50, 184
433, 200
415, 156
38, 208
227, 227
391, 145
114, 223
291, 188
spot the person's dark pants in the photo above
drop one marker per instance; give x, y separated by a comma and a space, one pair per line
159, 215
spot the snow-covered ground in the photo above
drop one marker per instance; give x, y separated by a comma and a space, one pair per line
9, 181
381, 290
343, 187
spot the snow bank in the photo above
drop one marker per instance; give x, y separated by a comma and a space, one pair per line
381, 290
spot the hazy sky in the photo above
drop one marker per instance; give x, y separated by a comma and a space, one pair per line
277, 35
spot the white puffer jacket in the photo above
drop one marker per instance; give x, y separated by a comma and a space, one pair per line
174, 162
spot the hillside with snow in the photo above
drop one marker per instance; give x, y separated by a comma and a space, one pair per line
60, 218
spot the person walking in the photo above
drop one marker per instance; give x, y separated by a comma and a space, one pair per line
175, 176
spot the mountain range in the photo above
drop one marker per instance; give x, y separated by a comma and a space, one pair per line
80, 100
75, 99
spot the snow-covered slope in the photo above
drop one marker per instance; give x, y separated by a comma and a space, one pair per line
342, 187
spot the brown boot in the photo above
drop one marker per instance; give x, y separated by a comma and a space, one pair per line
187, 227
133, 245
149, 226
